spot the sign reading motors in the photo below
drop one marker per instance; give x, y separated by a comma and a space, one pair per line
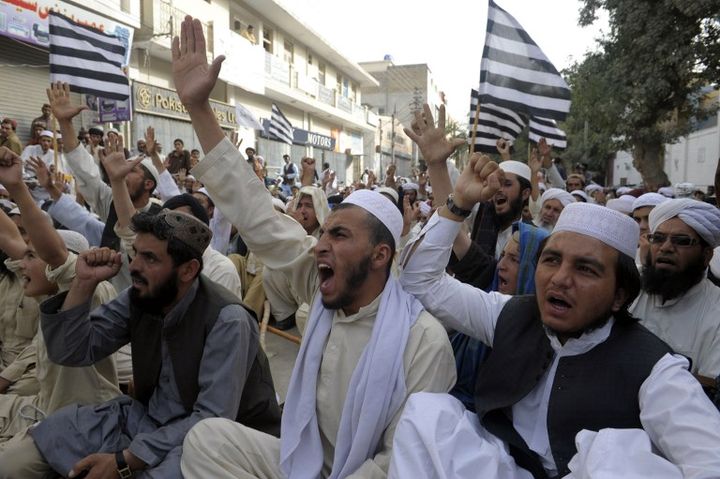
304, 137
161, 101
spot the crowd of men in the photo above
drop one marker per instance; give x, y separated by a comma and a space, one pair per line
506, 321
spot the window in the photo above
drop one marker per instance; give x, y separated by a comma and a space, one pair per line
289, 55
321, 74
267, 39
237, 26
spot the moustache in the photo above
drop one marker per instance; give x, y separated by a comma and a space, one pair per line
137, 276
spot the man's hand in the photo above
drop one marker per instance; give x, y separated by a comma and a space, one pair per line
545, 152
97, 265
434, 144
411, 213
479, 181
10, 168
99, 466
534, 161
390, 176
113, 159
194, 78
59, 97
42, 172
371, 179
308, 171
235, 139
503, 148
150, 142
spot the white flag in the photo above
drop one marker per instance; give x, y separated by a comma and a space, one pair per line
245, 117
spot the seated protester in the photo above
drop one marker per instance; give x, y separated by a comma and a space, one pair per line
641, 208
47, 266
367, 346
678, 302
514, 275
568, 358
310, 209
18, 320
216, 266
194, 346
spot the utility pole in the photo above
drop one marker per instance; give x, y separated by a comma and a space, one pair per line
392, 137
380, 150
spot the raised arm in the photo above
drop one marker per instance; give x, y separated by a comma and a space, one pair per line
535, 164
48, 244
278, 240
117, 168
64, 111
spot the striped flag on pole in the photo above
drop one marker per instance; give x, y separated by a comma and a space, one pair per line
548, 129
516, 74
86, 58
494, 122
280, 127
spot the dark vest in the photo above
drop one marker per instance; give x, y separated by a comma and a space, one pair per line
595, 390
109, 238
186, 342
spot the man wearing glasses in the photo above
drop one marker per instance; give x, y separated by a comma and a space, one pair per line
678, 303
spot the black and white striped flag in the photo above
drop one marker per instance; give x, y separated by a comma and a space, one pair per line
494, 122
280, 127
548, 129
88, 59
516, 74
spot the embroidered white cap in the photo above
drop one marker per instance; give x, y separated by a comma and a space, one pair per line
381, 208
517, 168
648, 199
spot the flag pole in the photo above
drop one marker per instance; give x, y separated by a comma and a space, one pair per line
54, 143
471, 146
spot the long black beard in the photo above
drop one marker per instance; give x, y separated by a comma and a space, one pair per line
158, 299
357, 277
514, 213
670, 285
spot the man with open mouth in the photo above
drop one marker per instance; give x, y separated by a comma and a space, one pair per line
566, 361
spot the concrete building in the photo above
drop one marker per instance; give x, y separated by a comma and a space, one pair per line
315, 86
401, 91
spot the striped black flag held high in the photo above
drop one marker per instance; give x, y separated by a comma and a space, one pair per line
494, 122
515, 74
89, 60
280, 127
548, 129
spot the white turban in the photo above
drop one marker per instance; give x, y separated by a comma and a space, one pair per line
615, 229
47, 133
684, 190
319, 199
562, 196
517, 168
410, 186
592, 187
381, 208
704, 218
648, 199
667, 191
278, 203
389, 191
581, 194
624, 204
623, 190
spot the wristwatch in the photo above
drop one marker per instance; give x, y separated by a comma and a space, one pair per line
122, 466
456, 210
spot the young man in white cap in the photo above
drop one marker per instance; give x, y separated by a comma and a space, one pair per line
678, 302
552, 203
367, 345
568, 358
641, 208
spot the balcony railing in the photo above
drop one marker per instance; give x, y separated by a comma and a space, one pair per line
163, 20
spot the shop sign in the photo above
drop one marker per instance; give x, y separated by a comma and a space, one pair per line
304, 137
155, 100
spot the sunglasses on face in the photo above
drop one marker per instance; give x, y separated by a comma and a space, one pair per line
675, 240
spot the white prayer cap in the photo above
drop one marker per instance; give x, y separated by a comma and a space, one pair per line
703, 217
516, 167
684, 190
613, 228
147, 163
667, 191
47, 133
425, 208
58, 136
562, 196
389, 191
623, 190
410, 186
74, 241
581, 194
113, 130
592, 187
381, 208
624, 204
542, 187
278, 203
648, 199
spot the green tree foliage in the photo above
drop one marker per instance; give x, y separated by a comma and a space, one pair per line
639, 90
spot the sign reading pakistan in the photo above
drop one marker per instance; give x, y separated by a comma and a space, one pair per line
161, 101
